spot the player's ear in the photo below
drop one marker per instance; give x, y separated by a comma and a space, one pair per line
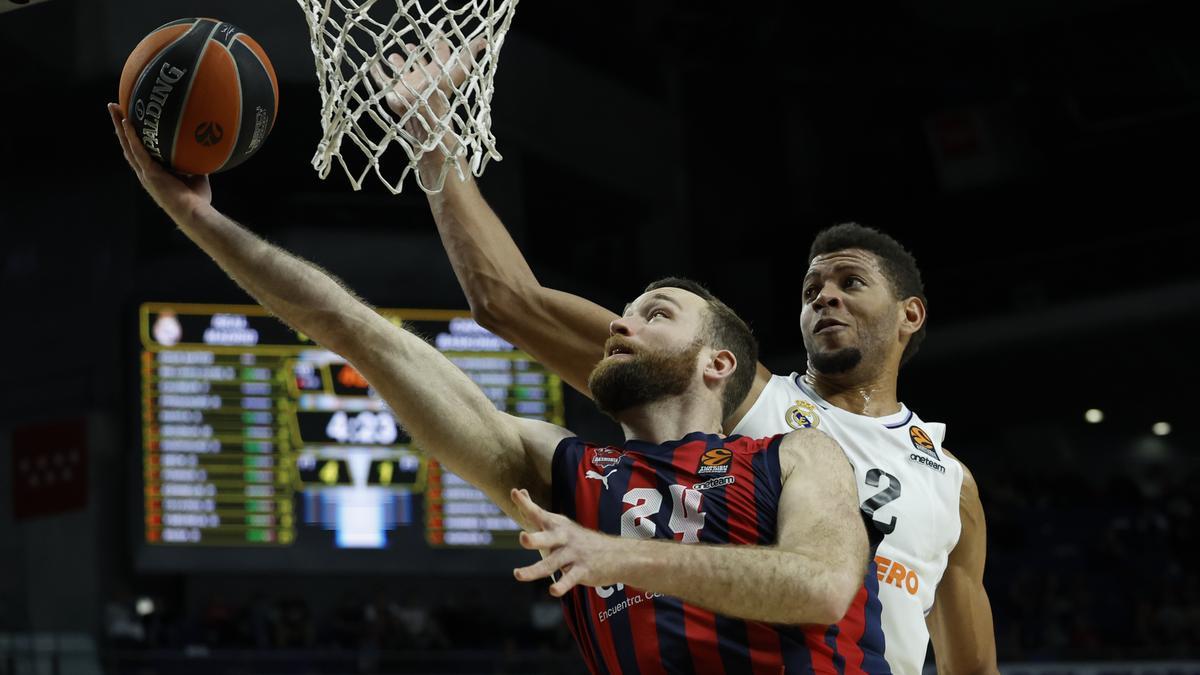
721, 365
912, 315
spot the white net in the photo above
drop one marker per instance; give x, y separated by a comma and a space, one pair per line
410, 73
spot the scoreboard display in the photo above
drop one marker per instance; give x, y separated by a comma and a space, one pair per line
254, 437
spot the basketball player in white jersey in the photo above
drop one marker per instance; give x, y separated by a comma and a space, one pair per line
863, 317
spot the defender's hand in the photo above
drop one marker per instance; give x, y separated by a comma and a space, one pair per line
178, 195
584, 556
411, 77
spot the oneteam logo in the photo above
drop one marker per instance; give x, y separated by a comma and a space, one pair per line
713, 483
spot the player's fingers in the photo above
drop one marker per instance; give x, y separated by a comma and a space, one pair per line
460, 62
414, 58
115, 113
383, 81
540, 541
532, 512
137, 152
469, 57
148, 169
117, 118
567, 581
540, 569
377, 74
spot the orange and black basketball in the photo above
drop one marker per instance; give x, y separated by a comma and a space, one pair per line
201, 94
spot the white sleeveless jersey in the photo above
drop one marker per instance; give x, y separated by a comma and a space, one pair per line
909, 484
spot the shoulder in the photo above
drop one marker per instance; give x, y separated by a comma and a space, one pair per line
812, 452
537, 432
969, 492
973, 532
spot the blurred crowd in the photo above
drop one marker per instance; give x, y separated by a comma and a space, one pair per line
1085, 569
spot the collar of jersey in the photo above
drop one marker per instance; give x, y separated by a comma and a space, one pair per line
896, 419
648, 447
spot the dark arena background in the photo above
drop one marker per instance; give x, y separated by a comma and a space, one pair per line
1038, 158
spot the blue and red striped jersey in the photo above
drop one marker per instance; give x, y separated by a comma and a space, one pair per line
700, 489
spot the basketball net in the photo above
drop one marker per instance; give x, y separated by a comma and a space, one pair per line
352, 38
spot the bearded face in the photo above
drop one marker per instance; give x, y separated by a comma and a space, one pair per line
619, 383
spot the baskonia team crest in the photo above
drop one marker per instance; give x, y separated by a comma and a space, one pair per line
602, 458
803, 415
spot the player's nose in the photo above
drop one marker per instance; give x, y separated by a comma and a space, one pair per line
620, 327
830, 296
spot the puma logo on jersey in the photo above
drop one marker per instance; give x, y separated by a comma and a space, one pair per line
602, 479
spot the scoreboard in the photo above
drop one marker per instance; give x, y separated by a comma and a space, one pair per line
254, 436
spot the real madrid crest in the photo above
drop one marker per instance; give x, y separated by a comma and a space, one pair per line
803, 415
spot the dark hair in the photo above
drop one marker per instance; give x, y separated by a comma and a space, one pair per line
726, 330
898, 265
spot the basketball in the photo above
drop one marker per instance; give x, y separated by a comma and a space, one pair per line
201, 94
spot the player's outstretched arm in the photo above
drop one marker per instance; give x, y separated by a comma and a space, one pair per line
564, 332
960, 624
810, 576
440, 407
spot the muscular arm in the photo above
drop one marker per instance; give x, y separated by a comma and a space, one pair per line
960, 623
809, 576
563, 331
440, 407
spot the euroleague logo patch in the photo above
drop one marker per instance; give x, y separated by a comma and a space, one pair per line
209, 133
715, 461
922, 441
803, 415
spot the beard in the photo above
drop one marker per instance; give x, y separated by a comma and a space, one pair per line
618, 385
836, 362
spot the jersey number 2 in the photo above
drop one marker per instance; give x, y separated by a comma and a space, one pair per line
881, 498
686, 517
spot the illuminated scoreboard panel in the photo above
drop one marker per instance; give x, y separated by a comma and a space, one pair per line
255, 436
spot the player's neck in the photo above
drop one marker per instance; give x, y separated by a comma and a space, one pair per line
670, 419
873, 395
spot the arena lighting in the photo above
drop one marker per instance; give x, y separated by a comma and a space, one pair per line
1094, 416
1161, 428
144, 606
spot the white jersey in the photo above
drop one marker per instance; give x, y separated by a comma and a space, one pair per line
905, 480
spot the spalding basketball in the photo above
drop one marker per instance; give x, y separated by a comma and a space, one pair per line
201, 94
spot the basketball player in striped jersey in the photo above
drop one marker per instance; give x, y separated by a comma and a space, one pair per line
863, 317
681, 550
